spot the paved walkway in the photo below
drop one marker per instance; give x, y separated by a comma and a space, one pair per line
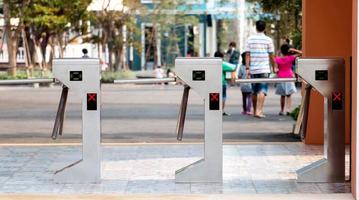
184, 197
134, 113
149, 169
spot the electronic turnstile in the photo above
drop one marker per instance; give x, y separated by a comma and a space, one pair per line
82, 76
204, 76
328, 77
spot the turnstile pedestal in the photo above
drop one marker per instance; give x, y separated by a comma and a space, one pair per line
82, 77
328, 77
204, 77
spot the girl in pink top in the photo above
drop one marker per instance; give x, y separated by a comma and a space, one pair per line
285, 70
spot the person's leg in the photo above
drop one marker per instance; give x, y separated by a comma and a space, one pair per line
288, 102
249, 103
260, 104
282, 104
244, 102
254, 102
224, 95
254, 97
263, 90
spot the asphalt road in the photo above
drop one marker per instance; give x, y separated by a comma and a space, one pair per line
134, 113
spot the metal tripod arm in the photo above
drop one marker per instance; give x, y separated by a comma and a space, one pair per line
182, 113
60, 115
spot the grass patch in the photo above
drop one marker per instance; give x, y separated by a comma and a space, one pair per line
23, 75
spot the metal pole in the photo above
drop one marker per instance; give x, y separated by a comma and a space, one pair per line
26, 81
266, 80
182, 113
145, 81
58, 126
63, 110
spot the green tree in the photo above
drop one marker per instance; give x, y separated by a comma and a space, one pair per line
13, 9
117, 29
55, 22
286, 17
166, 17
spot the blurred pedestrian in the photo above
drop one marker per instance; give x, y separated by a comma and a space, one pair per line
85, 52
170, 74
104, 65
285, 90
259, 52
159, 73
233, 54
226, 67
246, 88
190, 53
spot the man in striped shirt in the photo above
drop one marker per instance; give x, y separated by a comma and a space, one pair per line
259, 54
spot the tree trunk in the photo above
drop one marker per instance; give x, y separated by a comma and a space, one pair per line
10, 38
155, 49
12, 50
118, 62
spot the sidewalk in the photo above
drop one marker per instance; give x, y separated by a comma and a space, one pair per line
149, 169
188, 197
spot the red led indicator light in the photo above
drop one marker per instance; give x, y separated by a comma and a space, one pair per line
91, 97
214, 101
337, 96
337, 101
91, 101
214, 97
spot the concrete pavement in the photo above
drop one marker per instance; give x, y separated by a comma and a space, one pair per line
150, 169
134, 113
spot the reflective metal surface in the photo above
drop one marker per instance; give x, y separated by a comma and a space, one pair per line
82, 77
26, 81
328, 77
145, 81
203, 75
266, 80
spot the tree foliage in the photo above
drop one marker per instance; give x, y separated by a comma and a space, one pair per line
117, 29
285, 15
13, 9
166, 18
54, 20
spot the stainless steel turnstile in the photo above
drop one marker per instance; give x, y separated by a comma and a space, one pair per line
203, 75
82, 76
327, 76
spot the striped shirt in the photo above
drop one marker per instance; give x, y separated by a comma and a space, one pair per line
259, 46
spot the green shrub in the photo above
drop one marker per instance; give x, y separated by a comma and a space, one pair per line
294, 114
23, 75
109, 76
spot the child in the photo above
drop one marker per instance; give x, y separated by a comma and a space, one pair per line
246, 88
226, 67
285, 90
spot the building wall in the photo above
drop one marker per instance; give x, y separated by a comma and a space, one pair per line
327, 32
355, 92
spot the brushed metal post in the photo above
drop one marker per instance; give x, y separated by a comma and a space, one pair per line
327, 76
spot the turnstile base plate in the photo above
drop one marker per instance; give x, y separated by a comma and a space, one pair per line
79, 172
200, 172
319, 172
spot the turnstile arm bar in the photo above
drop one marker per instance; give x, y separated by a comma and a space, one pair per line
145, 81
267, 80
60, 115
167, 80
26, 81
182, 113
